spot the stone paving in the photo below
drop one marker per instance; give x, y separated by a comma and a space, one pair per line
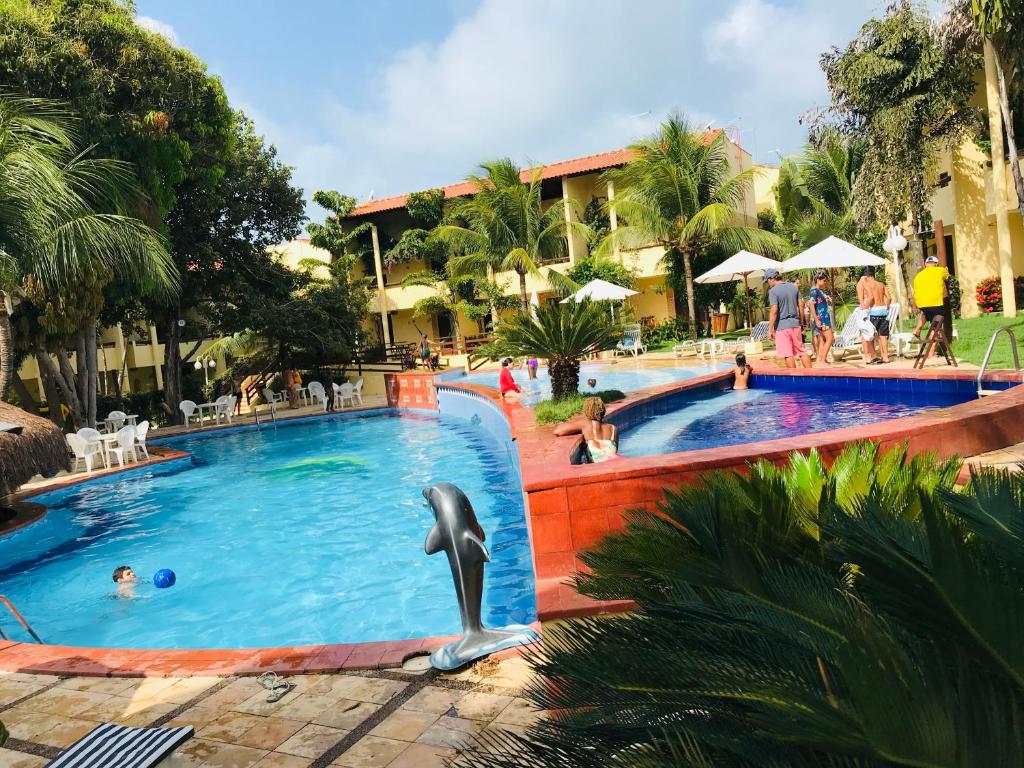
359, 720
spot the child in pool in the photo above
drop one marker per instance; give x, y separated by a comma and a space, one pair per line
126, 580
741, 373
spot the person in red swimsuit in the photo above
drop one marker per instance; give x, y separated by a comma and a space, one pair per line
505, 382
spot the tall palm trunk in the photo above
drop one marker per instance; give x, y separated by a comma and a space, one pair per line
1011, 139
691, 301
524, 300
6, 349
172, 369
91, 374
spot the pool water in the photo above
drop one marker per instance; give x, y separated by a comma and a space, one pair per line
625, 376
308, 533
709, 419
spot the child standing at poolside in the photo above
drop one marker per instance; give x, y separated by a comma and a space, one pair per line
741, 373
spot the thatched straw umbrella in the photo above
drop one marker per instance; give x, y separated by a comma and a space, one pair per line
39, 448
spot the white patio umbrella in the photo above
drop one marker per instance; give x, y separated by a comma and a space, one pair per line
831, 254
601, 290
740, 266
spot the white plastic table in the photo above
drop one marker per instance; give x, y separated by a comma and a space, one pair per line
211, 407
129, 420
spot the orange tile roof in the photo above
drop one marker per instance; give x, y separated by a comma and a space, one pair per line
585, 164
555, 170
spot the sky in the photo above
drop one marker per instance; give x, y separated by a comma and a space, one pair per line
382, 97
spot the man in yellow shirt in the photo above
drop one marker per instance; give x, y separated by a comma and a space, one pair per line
929, 292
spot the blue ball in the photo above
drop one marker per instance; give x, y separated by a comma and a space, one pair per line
164, 578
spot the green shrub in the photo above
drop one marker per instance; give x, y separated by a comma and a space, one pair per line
555, 411
149, 406
863, 615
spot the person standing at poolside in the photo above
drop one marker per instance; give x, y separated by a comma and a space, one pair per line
821, 318
873, 297
425, 351
929, 295
784, 320
531, 367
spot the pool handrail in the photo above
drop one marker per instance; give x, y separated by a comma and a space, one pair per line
988, 353
21, 620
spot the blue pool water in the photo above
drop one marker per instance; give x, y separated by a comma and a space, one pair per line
626, 376
713, 418
309, 533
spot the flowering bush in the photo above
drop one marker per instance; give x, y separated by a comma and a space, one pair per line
989, 293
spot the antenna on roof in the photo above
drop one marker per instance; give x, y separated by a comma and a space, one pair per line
707, 127
369, 197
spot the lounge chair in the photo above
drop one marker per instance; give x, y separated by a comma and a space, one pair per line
715, 346
189, 410
85, 451
111, 745
849, 340
357, 390
317, 394
631, 341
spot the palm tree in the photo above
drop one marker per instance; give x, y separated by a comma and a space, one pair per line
503, 225
62, 213
814, 194
563, 334
680, 192
453, 296
864, 615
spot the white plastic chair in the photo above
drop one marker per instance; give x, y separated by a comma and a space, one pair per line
141, 430
317, 394
125, 446
189, 409
94, 436
343, 392
272, 399
357, 390
223, 406
84, 450
116, 420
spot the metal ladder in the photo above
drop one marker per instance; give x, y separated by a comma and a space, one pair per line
988, 353
21, 620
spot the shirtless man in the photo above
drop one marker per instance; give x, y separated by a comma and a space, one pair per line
874, 299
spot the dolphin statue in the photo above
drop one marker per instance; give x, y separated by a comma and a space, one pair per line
457, 533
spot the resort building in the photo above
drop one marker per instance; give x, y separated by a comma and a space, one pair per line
578, 179
976, 226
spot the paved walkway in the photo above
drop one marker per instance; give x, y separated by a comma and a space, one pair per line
359, 720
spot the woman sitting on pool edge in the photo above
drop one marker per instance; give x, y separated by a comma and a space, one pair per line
602, 439
506, 383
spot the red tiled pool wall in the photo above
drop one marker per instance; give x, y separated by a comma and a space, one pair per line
410, 390
572, 507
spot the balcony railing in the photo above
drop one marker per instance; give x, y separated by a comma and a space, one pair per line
449, 345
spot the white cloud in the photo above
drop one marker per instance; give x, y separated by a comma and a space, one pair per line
160, 27
541, 81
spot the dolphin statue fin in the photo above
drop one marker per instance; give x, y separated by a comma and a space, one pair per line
478, 545
434, 542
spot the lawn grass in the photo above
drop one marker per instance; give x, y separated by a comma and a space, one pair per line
973, 336
554, 412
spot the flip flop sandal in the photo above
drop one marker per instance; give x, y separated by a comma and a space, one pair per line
276, 687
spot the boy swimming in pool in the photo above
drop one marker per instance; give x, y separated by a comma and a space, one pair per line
741, 372
126, 580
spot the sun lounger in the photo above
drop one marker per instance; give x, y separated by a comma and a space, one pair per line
111, 745
849, 339
631, 341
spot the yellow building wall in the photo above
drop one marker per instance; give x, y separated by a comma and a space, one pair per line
653, 300
764, 186
974, 234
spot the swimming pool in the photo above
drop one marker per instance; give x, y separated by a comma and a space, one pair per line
626, 376
308, 533
775, 408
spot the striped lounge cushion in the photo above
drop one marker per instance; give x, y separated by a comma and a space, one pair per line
118, 746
